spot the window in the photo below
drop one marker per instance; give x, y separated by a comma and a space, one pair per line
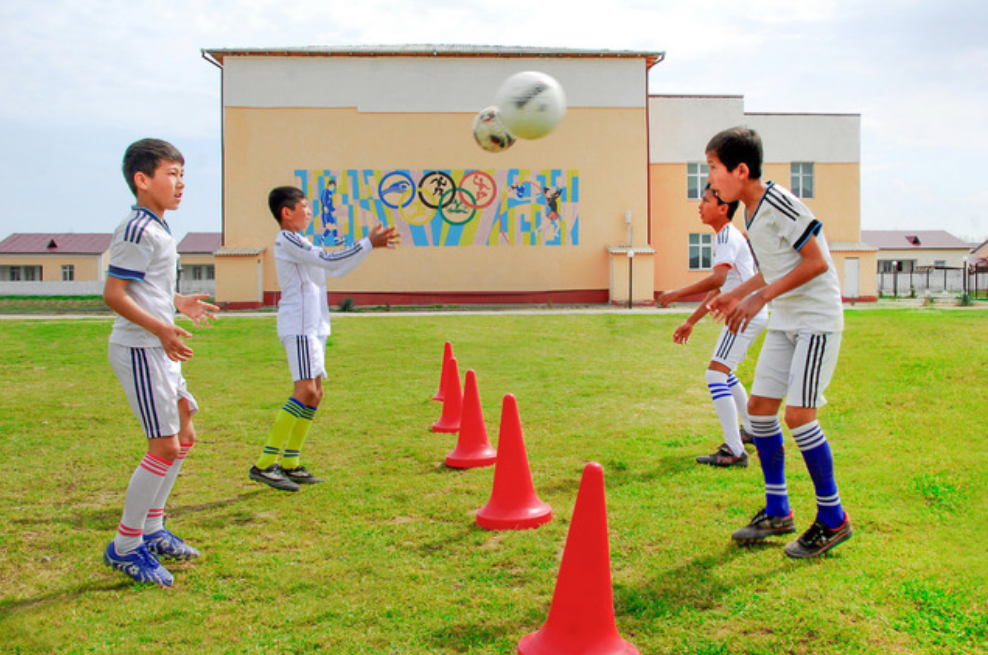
701, 252
203, 272
940, 263
801, 179
15, 273
68, 272
696, 180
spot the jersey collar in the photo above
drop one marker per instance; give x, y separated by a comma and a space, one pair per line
150, 213
748, 221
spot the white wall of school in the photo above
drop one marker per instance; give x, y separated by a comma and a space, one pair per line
821, 138
420, 84
681, 126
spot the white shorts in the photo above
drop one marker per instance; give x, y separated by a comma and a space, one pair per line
153, 385
796, 366
732, 349
306, 356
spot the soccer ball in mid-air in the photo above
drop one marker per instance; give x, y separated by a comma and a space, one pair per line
531, 104
490, 132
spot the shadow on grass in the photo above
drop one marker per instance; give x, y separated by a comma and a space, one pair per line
10, 608
467, 637
698, 584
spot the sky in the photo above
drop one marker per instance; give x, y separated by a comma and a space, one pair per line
82, 79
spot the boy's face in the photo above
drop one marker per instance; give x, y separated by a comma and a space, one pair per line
162, 191
297, 218
724, 183
713, 212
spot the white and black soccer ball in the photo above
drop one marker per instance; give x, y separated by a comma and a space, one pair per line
531, 104
490, 132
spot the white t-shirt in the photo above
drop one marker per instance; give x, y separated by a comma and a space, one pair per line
302, 270
778, 228
143, 251
731, 249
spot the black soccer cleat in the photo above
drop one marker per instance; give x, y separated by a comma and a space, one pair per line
764, 525
300, 475
273, 476
724, 458
819, 538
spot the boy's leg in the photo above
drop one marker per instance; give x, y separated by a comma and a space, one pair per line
740, 396
284, 422
717, 376
312, 392
158, 540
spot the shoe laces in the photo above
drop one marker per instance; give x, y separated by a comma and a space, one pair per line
815, 533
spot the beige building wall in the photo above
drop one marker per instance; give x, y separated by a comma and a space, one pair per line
88, 268
362, 119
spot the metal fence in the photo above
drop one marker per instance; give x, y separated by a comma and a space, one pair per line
934, 281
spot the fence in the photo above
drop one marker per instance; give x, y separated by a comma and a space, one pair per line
934, 281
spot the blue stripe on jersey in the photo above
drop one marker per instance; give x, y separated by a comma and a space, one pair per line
125, 273
340, 255
296, 240
135, 227
812, 230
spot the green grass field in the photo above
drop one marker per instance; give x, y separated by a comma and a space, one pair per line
386, 558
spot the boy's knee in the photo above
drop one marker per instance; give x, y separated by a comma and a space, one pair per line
797, 416
164, 447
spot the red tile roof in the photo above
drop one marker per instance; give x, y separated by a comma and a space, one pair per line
200, 242
56, 244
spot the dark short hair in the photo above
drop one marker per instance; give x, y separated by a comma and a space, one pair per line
738, 145
283, 197
145, 156
732, 206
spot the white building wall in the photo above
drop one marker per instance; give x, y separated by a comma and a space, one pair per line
687, 123
821, 138
396, 84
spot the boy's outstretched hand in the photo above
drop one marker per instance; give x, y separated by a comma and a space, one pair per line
386, 237
193, 306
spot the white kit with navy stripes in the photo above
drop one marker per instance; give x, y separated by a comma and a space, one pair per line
302, 271
778, 229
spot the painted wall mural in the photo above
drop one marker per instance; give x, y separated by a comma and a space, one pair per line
504, 207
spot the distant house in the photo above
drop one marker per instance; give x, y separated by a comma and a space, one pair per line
54, 264
197, 272
910, 250
979, 256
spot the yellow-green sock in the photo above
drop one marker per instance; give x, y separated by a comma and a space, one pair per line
293, 449
283, 423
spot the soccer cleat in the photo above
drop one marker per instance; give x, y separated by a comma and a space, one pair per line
164, 545
140, 565
301, 475
724, 458
820, 538
764, 525
273, 476
746, 437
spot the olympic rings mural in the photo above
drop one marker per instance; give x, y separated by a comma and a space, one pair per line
503, 207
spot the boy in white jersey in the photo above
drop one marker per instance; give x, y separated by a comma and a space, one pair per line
146, 351
732, 265
801, 346
303, 327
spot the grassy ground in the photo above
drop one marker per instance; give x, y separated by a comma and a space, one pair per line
386, 558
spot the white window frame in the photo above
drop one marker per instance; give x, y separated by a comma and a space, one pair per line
802, 180
702, 244
68, 272
696, 179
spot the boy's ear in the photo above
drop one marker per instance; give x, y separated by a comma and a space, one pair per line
743, 171
141, 180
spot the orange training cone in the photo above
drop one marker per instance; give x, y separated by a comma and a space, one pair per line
581, 618
513, 504
447, 355
453, 403
472, 449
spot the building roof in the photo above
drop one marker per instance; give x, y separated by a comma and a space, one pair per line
200, 242
913, 240
55, 244
427, 50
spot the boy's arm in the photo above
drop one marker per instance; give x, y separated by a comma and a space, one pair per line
171, 336
712, 282
812, 264
683, 332
193, 306
340, 262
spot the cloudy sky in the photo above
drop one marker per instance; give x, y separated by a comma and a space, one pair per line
80, 80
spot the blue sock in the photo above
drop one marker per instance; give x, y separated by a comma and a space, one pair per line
820, 463
767, 432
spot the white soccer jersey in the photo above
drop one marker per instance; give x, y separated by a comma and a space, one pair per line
778, 228
143, 251
302, 270
731, 249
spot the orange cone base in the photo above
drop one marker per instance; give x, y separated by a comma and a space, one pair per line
440, 426
495, 518
536, 644
465, 460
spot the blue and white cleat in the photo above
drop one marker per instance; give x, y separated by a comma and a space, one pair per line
165, 545
140, 565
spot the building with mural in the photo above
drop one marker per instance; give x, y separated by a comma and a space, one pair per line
601, 210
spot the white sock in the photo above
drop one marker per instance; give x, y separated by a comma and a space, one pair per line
156, 515
727, 412
740, 400
143, 487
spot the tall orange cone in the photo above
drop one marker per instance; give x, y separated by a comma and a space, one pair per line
581, 618
453, 403
472, 448
447, 355
513, 504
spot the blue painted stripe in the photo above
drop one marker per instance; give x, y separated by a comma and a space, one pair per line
125, 273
